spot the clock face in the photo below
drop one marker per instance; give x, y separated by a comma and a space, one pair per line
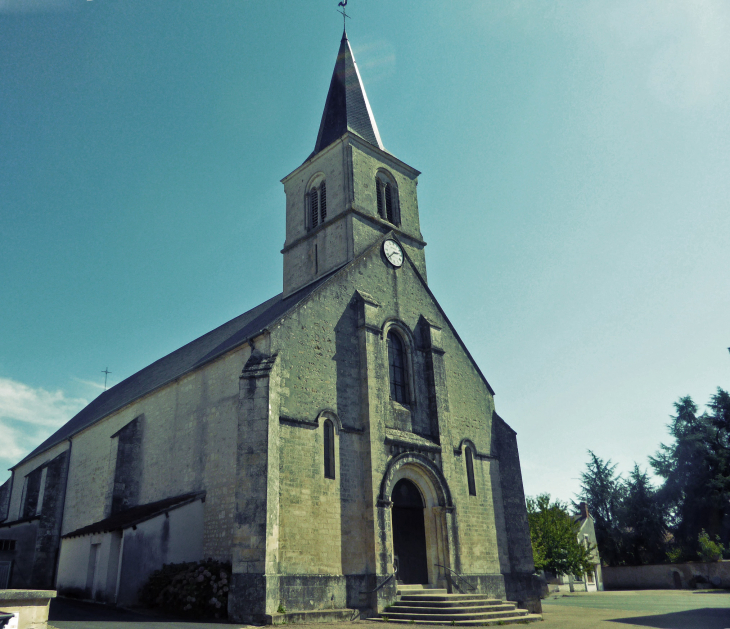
393, 253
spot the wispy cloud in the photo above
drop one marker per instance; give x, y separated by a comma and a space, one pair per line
682, 47
91, 383
28, 415
376, 60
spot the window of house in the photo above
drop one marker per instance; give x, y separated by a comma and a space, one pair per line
7, 544
387, 198
317, 204
397, 368
470, 471
329, 449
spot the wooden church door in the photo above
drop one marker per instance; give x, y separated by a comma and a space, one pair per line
409, 533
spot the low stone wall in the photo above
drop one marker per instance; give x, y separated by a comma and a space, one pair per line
31, 605
667, 576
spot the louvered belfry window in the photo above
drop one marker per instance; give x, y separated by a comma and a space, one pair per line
314, 206
379, 189
397, 368
318, 205
323, 201
389, 203
387, 198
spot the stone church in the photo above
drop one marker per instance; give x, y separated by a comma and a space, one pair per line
332, 436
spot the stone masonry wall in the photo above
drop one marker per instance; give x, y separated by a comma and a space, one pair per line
189, 445
320, 370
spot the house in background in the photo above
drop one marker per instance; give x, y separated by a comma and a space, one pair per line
589, 582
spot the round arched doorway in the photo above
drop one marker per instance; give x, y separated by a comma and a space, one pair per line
409, 532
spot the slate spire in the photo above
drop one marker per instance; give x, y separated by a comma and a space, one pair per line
347, 107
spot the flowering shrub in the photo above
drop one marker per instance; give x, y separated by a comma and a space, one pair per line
197, 589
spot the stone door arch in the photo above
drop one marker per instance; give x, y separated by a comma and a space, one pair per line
437, 512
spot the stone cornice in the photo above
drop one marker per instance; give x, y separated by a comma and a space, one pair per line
356, 211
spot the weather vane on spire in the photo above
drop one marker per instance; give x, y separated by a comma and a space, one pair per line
343, 4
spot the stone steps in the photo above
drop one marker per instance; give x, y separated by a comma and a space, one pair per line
512, 620
419, 605
470, 602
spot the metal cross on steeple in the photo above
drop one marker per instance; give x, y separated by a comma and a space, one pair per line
106, 373
343, 4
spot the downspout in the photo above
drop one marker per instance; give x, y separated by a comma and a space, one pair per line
63, 509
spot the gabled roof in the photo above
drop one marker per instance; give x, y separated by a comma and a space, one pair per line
189, 357
347, 107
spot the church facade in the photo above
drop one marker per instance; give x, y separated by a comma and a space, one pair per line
333, 436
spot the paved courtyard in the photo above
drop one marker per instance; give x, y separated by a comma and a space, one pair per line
662, 609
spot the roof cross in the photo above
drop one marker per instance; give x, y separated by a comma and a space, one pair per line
343, 4
106, 373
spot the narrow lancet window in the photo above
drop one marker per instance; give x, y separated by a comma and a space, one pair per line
329, 449
397, 368
470, 471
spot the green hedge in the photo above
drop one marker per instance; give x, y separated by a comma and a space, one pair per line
197, 589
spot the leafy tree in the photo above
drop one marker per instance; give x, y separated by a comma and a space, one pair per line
603, 491
554, 536
642, 521
709, 550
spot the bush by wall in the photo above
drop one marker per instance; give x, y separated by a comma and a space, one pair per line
196, 589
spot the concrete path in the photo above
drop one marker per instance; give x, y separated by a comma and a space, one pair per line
660, 609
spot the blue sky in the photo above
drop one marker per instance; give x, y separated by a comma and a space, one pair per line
575, 194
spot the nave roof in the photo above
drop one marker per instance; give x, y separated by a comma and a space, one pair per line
188, 358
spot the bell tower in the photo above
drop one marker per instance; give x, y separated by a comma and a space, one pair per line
350, 190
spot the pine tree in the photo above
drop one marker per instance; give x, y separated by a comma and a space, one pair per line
603, 491
642, 521
696, 471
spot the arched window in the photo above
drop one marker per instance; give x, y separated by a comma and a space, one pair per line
397, 368
387, 198
329, 449
470, 471
317, 204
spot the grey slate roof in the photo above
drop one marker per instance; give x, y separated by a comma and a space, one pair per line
189, 357
347, 107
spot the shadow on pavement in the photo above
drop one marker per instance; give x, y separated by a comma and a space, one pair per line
69, 610
705, 618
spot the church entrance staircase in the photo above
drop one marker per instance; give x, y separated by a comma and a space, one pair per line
422, 605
